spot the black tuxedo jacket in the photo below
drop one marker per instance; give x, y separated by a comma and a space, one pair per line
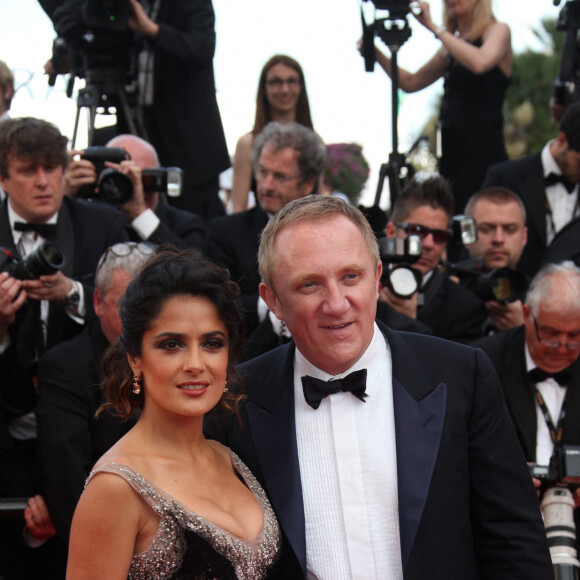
184, 122
70, 437
233, 241
177, 227
526, 178
507, 353
84, 231
467, 507
451, 311
565, 245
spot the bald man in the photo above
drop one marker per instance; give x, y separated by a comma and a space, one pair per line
148, 217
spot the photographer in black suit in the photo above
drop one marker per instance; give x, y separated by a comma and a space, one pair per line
500, 216
148, 216
425, 208
541, 356
174, 45
36, 314
547, 183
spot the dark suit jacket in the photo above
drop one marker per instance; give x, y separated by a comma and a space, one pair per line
177, 227
233, 241
507, 353
467, 507
184, 122
84, 231
70, 438
565, 245
526, 178
451, 311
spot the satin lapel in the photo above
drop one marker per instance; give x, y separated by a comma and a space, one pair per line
65, 238
518, 392
534, 197
273, 429
419, 408
65, 241
6, 239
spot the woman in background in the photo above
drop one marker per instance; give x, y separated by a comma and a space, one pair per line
475, 60
164, 502
281, 97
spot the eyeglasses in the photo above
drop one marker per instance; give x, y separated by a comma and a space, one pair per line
439, 236
554, 343
277, 82
279, 178
123, 249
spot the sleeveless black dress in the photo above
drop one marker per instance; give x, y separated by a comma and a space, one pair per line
471, 126
190, 547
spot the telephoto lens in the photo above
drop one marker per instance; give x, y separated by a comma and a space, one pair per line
558, 510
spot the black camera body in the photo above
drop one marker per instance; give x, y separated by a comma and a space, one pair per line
116, 188
503, 285
402, 279
564, 468
47, 259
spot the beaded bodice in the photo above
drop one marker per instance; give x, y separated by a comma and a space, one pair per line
190, 547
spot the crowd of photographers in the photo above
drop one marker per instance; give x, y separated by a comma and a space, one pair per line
76, 225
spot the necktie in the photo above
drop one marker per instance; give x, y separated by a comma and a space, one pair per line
315, 389
47, 231
553, 178
563, 377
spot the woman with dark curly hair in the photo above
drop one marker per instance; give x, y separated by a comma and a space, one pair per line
281, 97
164, 502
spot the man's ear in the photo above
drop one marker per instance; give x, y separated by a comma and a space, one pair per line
527, 311
269, 297
391, 230
98, 302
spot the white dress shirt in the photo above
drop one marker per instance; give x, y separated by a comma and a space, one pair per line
564, 205
553, 395
348, 469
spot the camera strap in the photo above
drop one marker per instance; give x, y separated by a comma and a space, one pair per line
555, 431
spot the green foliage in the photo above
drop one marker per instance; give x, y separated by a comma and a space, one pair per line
532, 81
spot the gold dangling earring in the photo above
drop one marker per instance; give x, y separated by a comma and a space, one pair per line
136, 384
226, 387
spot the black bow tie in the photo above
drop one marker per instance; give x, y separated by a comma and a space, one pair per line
563, 377
315, 389
553, 178
47, 231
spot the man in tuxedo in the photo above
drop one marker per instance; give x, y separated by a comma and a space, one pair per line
70, 437
541, 356
36, 314
288, 161
425, 208
148, 217
416, 472
500, 216
547, 183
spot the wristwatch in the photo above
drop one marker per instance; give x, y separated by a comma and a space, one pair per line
74, 294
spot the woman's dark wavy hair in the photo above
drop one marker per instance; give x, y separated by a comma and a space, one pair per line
263, 113
169, 273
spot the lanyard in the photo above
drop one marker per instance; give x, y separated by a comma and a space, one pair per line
555, 432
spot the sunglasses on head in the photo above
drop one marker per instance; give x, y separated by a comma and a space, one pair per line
439, 236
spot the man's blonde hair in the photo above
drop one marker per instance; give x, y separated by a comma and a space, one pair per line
312, 208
